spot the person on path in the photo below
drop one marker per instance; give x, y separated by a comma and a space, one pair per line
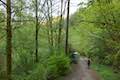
89, 63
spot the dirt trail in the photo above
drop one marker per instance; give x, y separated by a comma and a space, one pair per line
80, 71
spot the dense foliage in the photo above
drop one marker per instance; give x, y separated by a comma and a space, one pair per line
106, 72
51, 66
36, 35
98, 26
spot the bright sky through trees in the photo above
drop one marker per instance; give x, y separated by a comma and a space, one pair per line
74, 5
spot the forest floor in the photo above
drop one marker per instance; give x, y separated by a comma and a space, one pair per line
80, 71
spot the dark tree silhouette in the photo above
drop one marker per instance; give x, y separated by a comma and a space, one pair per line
9, 41
60, 26
36, 36
67, 28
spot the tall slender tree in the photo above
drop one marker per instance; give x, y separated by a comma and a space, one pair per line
67, 27
51, 21
60, 25
9, 41
36, 36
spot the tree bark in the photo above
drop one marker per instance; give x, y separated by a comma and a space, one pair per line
9, 41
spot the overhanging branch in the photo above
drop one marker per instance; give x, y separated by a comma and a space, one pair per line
2, 2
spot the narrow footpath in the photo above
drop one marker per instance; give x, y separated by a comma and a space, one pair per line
80, 71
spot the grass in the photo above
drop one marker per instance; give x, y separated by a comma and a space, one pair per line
106, 72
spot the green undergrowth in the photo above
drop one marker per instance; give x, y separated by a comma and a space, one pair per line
106, 72
52, 67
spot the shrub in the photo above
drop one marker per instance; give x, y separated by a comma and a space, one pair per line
51, 68
39, 73
58, 65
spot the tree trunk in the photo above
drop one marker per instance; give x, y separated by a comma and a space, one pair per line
67, 28
49, 14
9, 41
60, 25
36, 36
51, 26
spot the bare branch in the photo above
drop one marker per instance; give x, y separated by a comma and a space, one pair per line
3, 2
19, 9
